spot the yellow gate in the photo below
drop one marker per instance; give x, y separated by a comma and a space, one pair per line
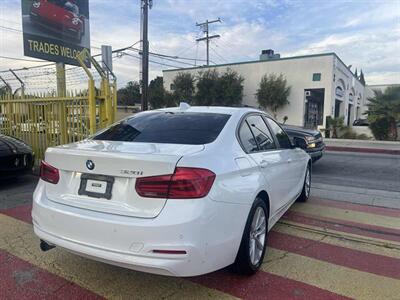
44, 120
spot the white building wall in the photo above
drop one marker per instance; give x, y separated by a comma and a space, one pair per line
353, 89
298, 72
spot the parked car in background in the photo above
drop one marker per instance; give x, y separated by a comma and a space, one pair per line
59, 16
16, 157
178, 191
361, 122
310, 140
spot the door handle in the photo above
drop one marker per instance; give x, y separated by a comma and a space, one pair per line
263, 164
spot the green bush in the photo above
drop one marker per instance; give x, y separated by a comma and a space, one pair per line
348, 133
380, 128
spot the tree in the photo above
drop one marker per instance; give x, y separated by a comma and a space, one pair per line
158, 96
273, 92
216, 89
334, 126
385, 106
207, 88
231, 89
362, 79
130, 94
183, 87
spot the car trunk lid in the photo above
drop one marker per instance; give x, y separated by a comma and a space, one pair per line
101, 175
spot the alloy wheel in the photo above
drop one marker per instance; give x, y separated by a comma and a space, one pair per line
258, 230
308, 182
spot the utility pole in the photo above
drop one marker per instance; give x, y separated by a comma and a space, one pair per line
145, 6
207, 38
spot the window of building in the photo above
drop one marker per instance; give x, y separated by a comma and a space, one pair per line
172, 87
316, 77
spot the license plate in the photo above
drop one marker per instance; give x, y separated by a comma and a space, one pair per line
97, 186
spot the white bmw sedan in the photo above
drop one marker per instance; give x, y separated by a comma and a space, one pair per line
177, 191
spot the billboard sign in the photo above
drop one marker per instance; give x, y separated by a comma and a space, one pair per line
56, 30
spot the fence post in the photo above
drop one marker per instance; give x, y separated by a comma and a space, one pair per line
115, 95
92, 106
62, 91
108, 101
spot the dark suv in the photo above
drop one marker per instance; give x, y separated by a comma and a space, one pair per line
310, 139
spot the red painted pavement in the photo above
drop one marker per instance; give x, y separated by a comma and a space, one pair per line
358, 260
263, 285
383, 211
366, 230
21, 280
21, 212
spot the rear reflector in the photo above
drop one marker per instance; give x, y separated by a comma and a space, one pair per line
170, 251
49, 173
185, 183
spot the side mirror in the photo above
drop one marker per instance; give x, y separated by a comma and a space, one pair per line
299, 143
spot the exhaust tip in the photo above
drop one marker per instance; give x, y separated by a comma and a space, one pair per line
44, 246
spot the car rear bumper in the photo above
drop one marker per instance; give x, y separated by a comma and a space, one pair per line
208, 231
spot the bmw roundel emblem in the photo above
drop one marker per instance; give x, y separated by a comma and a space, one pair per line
90, 164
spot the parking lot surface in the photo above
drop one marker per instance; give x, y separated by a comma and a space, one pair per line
322, 249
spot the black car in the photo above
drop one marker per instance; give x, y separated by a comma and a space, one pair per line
309, 139
16, 157
361, 122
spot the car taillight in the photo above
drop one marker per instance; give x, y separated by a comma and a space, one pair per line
49, 173
185, 183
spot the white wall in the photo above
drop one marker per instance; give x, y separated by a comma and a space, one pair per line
298, 72
352, 86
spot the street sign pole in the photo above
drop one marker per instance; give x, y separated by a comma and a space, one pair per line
61, 82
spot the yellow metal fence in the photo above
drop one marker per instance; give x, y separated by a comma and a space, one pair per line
45, 120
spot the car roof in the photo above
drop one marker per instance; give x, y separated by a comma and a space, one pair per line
213, 109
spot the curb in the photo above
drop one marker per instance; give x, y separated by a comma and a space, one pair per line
362, 150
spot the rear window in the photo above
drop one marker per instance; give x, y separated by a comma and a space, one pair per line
167, 127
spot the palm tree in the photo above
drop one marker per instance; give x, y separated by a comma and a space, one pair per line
334, 126
386, 105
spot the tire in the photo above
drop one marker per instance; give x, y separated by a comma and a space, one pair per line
248, 261
305, 192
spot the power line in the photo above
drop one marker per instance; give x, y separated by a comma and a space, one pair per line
216, 53
10, 29
166, 57
207, 38
152, 61
21, 59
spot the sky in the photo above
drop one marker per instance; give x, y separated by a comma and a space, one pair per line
364, 34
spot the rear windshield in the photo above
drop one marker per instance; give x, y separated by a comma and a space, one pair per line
167, 127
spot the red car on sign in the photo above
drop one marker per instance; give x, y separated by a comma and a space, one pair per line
60, 16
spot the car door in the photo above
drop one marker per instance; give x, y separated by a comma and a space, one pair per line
262, 148
294, 158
